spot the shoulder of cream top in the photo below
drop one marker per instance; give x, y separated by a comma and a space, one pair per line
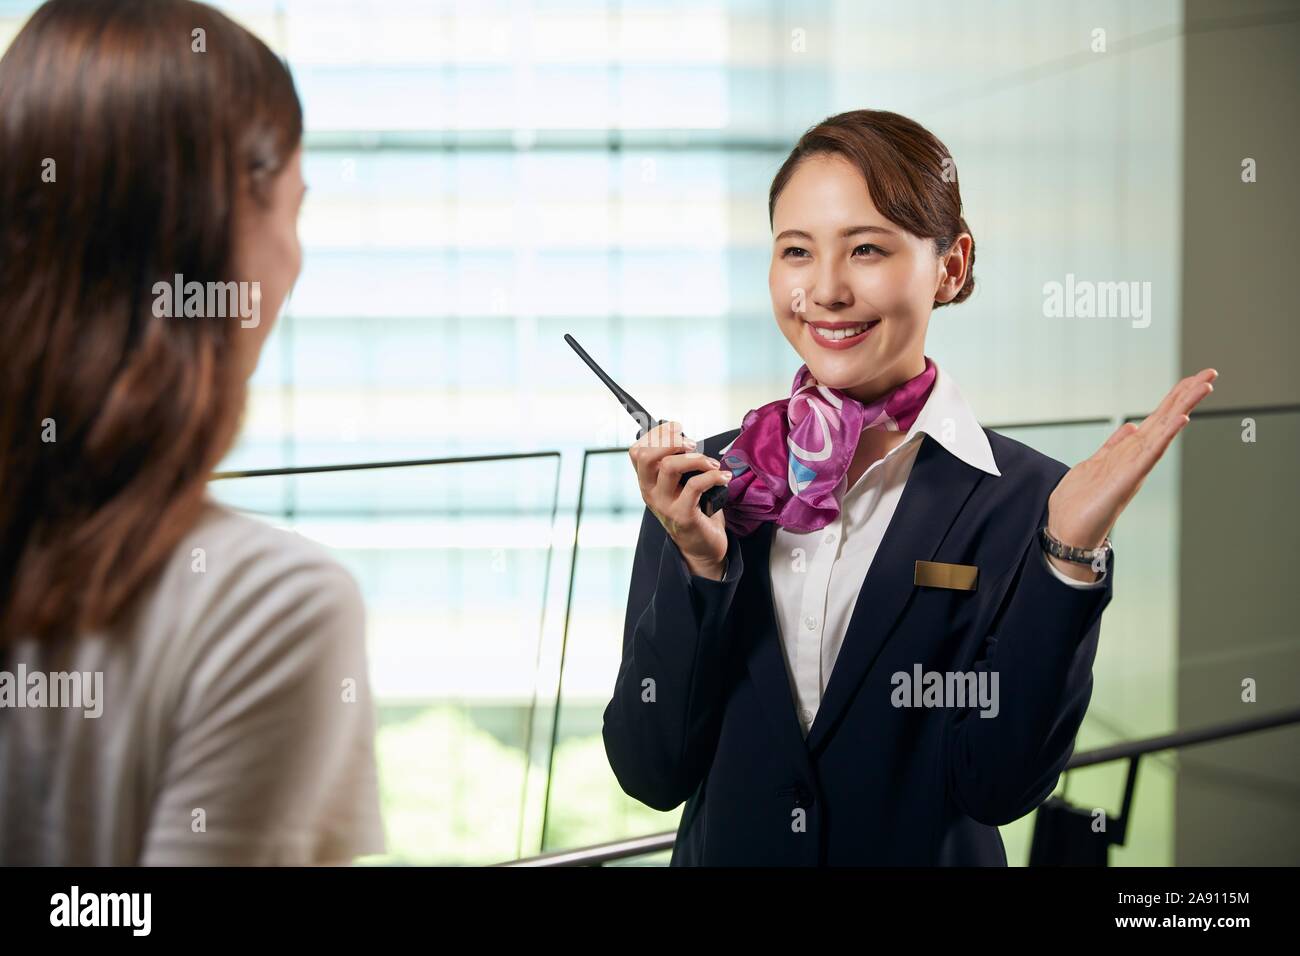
234, 584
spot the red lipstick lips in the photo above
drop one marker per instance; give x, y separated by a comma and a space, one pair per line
839, 344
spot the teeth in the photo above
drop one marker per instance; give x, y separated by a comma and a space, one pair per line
837, 334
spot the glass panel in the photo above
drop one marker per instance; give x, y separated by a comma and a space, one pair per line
1134, 691
452, 561
586, 804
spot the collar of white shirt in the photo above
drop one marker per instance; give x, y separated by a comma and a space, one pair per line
947, 419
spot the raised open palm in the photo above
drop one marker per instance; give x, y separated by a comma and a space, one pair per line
1086, 503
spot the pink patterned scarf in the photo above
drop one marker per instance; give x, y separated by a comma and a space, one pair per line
790, 454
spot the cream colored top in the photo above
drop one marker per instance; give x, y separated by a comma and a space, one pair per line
236, 722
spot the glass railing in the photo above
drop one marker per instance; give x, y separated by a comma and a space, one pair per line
1145, 683
453, 558
491, 697
585, 803
1062, 816
1134, 691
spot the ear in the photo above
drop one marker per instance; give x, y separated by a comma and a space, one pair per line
952, 268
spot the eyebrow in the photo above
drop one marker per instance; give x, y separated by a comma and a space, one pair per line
851, 231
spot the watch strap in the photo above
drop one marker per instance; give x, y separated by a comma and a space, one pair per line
1066, 552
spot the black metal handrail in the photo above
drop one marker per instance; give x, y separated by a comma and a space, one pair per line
1132, 750
290, 470
504, 456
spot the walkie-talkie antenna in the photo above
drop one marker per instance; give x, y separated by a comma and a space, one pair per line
714, 498
634, 408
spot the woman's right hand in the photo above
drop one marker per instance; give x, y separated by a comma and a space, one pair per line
661, 456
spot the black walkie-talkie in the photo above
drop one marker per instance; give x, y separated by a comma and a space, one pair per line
714, 498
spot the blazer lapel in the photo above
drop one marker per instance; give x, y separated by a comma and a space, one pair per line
936, 490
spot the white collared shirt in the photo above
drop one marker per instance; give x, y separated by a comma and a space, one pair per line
816, 575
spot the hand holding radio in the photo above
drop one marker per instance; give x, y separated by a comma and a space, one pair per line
684, 489
662, 457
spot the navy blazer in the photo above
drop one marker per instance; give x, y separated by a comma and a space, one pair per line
703, 711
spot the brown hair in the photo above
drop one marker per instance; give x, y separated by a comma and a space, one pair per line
126, 138
903, 164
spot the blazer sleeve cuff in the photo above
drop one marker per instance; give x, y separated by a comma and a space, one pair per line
1045, 614
1066, 579
710, 599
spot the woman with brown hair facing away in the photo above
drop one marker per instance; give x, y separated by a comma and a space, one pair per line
148, 149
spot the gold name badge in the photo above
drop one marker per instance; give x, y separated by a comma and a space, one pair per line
936, 574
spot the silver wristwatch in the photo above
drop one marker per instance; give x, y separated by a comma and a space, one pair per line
1098, 557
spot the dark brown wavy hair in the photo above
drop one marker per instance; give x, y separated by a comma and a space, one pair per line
123, 151
904, 166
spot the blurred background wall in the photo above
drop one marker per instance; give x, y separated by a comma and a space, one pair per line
486, 176
1236, 801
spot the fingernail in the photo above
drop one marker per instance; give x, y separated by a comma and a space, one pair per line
727, 475
713, 461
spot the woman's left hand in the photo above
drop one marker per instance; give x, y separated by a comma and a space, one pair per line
1088, 500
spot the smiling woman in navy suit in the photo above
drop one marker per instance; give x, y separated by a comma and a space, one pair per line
881, 649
